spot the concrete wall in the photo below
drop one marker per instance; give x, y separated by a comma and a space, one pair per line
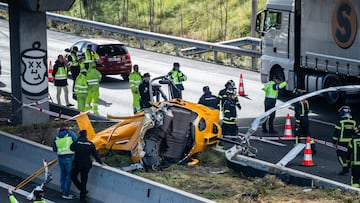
22, 157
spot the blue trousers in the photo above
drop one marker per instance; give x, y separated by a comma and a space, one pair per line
65, 164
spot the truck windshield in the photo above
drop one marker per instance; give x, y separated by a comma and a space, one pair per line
272, 20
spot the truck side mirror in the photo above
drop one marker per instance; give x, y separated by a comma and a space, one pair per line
259, 22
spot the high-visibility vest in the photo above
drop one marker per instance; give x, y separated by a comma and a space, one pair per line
135, 80
90, 56
75, 61
177, 77
270, 92
93, 77
81, 86
63, 145
61, 73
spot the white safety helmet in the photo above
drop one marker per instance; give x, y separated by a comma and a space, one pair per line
345, 112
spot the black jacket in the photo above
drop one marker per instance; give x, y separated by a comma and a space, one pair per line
59, 82
223, 97
144, 95
209, 100
83, 149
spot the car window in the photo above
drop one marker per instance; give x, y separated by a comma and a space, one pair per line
111, 50
78, 45
83, 48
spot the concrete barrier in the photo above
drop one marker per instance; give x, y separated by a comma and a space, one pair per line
22, 157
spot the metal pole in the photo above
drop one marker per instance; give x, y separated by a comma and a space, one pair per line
253, 32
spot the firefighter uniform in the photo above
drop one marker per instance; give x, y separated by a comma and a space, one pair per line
302, 118
271, 90
135, 80
223, 96
354, 159
229, 127
90, 57
81, 90
176, 77
93, 79
344, 131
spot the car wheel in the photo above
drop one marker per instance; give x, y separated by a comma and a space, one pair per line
125, 77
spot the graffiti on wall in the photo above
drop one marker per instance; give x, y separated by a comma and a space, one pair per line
34, 76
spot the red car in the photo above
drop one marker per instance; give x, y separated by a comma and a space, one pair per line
114, 56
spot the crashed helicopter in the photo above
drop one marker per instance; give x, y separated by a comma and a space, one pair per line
173, 131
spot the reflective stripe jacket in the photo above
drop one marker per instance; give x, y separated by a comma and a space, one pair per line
63, 141
354, 150
176, 76
223, 97
93, 77
14, 200
229, 112
135, 80
90, 56
272, 89
344, 131
73, 59
81, 86
301, 109
61, 73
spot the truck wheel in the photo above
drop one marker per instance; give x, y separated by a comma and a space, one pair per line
333, 97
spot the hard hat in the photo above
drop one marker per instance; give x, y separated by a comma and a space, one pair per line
38, 189
38, 192
345, 112
230, 82
83, 133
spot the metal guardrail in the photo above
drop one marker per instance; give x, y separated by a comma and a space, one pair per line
141, 35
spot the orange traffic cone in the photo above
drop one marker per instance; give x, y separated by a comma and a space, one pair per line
50, 70
288, 130
307, 154
241, 91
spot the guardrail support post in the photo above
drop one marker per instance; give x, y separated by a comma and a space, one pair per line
76, 29
177, 49
231, 59
215, 56
106, 34
141, 43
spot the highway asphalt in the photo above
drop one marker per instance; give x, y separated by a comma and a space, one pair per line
115, 98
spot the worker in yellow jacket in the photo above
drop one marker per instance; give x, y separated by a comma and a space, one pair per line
93, 79
135, 80
81, 89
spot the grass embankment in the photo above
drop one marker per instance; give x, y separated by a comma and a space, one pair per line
205, 179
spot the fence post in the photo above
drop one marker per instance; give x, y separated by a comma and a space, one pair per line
215, 56
141, 43
76, 29
177, 49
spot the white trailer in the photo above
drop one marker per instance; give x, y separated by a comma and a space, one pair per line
313, 44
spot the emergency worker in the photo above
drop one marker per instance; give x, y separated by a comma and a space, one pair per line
230, 84
90, 57
354, 159
345, 129
144, 89
61, 146
271, 90
60, 79
135, 81
176, 77
81, 89
229, 126
74, 64
209, 100
93, 79
38, 196
301, 115
82, 164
